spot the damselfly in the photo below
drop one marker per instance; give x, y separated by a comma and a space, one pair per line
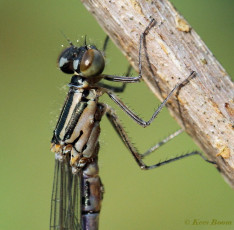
77, 189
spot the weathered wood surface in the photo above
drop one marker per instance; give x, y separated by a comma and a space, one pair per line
174, 50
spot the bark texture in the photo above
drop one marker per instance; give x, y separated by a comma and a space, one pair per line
205, 105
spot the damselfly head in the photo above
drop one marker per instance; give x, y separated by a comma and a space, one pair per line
86, 61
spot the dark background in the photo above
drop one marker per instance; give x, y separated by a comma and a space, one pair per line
32, 91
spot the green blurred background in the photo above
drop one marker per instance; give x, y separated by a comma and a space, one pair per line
32, 92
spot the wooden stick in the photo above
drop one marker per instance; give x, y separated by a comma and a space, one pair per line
174, 49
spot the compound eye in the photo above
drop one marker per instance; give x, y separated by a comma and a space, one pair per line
66, 59
92, 63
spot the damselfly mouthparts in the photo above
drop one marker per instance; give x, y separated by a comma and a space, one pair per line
77, 188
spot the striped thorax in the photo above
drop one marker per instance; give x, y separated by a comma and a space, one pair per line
77, 131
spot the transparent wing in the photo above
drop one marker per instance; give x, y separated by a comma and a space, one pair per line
65, 202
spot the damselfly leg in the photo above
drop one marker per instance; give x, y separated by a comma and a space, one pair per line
116, 89
137, 118
111, 115
118, 127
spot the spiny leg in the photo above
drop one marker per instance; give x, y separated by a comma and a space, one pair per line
119, 128
132, 79
161, 143
116, 89
111, 115
178, 102
126, 79
148, 59
136, 117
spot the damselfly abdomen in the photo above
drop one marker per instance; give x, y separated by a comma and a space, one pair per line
77, 189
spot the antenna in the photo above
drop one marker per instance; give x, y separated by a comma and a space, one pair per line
68, 40
85, 42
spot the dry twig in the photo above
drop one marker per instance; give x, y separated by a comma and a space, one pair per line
174, 49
